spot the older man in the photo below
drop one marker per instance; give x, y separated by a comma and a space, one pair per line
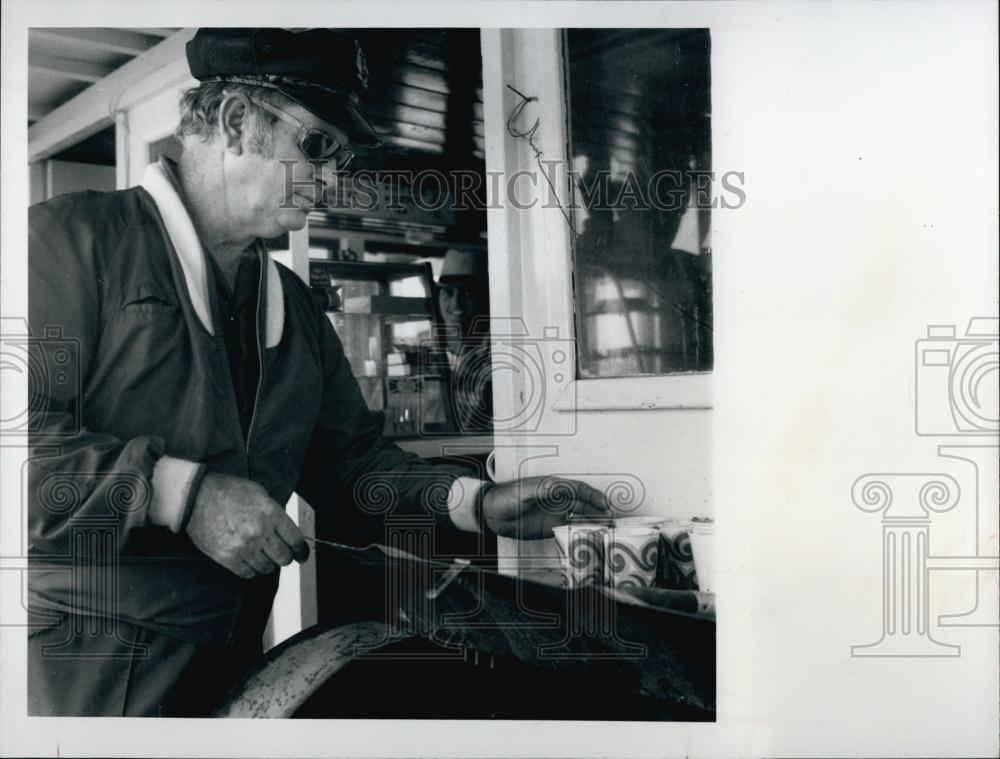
205, 387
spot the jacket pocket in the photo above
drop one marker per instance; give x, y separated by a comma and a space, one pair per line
144, 353
146, 300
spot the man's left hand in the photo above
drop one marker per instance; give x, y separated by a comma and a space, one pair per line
529, 508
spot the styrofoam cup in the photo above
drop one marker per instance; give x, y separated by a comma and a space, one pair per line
703, 548
677, 566
581, 549
630, 555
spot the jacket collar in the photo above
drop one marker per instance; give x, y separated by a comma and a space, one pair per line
160, 181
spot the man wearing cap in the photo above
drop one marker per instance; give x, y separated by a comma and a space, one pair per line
204, 387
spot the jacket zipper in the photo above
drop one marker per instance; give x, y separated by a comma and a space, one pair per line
261, 294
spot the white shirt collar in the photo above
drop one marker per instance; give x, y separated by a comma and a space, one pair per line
161, 182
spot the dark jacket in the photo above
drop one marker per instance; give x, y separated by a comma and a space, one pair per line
128, 372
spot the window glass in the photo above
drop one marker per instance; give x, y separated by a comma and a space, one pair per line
640, 148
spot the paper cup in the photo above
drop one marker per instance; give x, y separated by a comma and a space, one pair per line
630, 556
581, 549
677, 568
703, 547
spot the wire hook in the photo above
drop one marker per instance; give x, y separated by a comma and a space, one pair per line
516, 114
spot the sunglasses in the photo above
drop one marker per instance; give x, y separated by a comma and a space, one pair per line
314, 143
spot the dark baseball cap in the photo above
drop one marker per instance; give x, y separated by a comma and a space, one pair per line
323, 70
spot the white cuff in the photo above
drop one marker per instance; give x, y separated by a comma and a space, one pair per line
462, 503
172, 480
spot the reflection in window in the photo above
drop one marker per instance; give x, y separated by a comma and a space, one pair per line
640, 144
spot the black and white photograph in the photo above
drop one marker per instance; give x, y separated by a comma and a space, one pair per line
500, 379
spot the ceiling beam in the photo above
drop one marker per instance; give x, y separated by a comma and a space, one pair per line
91, 110
110, 40
159, 32
38, 111
78, 71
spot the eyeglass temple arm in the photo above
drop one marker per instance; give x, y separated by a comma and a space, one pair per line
277, 112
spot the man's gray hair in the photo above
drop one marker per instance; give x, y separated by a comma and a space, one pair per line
199, 113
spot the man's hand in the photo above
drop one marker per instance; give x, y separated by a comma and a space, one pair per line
237, 524
528, 509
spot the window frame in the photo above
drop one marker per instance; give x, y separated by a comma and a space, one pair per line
541, 288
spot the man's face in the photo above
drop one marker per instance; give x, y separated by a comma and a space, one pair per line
271, 193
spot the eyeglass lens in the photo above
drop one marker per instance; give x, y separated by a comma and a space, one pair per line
320, 146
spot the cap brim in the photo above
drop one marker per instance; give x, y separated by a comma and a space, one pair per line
337, 111
461, 279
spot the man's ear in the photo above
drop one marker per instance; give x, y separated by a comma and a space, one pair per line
234, 111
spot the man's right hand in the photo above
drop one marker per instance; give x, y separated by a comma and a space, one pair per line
237, 524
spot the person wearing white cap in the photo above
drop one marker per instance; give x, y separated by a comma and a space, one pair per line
463, 300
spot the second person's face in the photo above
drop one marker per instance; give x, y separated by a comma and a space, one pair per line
457, 304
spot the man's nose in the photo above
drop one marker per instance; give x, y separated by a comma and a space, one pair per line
328, 173
326, 180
